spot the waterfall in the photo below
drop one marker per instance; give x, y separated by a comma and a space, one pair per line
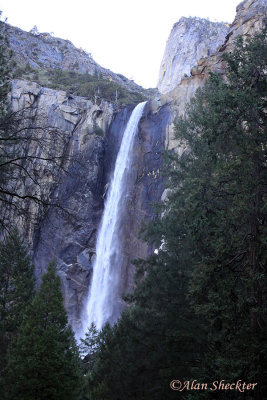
104, 302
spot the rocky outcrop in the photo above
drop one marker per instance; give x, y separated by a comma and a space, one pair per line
44, 51
249, 19
189, 41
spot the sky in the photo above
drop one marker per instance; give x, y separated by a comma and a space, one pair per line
127, 37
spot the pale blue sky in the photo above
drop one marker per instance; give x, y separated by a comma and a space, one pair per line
127, 37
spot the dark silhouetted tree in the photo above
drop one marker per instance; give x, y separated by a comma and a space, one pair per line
17, 290
43, 360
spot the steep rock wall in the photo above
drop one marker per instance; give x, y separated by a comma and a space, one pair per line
145, 183
44, 51
249, 19
190, 40
69, 233
83, 192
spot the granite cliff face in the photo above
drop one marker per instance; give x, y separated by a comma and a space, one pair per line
189, 41
249, 19
69, 232
44, 51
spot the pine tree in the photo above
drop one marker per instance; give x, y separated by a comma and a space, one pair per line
43, 360
218, 194
154, 341
17, 288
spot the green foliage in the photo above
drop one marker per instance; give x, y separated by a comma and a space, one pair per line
16, 291
43, 360
94, 87
218, 195
89, 346
157, 339
97, 130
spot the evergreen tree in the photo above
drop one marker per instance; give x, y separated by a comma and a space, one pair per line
16, 291
156, 340
218, 194
43, 360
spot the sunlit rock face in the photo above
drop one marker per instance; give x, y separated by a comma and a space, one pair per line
249, 19
189, 41
45, 51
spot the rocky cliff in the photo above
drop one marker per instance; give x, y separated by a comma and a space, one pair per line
250, 15
249, 19
94, 135
43, 51
67, 232
190, 40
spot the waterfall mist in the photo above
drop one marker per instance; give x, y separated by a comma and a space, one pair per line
104, 299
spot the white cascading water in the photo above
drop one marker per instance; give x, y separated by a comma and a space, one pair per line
104, 296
